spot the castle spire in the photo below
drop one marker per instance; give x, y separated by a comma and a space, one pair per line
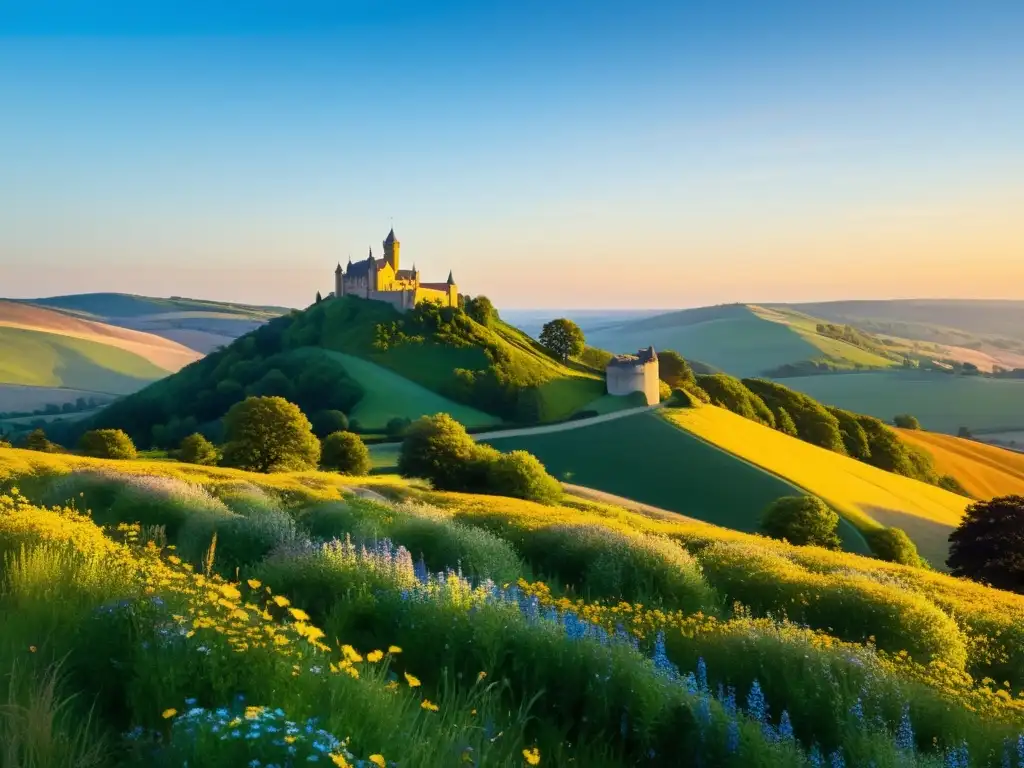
451, 280
370, 257
391, 237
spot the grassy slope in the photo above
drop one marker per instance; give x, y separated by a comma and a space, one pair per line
44, 359
739, 339
389, 395
985, 471
942, 403
642, 458
112, 305
350, 324
867, 496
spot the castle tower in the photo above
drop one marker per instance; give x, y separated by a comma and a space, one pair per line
391, 249
339, 280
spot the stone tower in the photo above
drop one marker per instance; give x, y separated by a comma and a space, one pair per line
391, 249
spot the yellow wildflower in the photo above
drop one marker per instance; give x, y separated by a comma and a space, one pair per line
169, 713
429, 705
378, 760
374, 656
340, 760
394, 649
254, 584
298, 614
412, 680
531, 756
282, 602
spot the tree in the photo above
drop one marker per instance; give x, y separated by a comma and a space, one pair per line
196, 449
784, 422
345, 452
673, 369
988, 545
328, 422
481, 310
107, 444
37, 441
906, 421
563, 338
521, 475
804, 520
439, 449
398, 426
269, 434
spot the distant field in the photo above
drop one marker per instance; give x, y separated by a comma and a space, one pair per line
864, 494
389, 395
646, 459
941, 402
41, 359
19, 397
984, 470
110, 305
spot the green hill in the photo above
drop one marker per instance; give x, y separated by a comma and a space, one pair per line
41, 359
390, 364
124, 305
743, 340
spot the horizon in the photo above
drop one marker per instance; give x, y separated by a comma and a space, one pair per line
584, 157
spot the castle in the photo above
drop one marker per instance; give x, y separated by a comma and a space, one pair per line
385, 280
626, 374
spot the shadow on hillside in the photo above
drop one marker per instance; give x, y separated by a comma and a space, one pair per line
931, 538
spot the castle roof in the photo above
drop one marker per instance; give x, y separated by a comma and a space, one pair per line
361, 268
406, 274
451, 280
391, 237
435, 286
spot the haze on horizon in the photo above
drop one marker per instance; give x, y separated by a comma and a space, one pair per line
571, 155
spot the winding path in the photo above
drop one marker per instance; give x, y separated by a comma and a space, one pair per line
564, 426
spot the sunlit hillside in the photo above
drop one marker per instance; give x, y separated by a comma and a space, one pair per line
865, 495
318, 614
984, 470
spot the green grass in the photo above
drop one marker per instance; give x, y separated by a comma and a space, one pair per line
941, 402
123, 305
388, 395
41, 359
645, 459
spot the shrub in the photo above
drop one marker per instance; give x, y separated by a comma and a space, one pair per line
37, 441
438, 448
562, 338
814, 424
906, 421
853, 434
398, 426
521, 475
196, 449
346, 453
784, 422
988, 545
664, 391
269, 434
107, 444
673, 369
803, 520
328, 422
729, 393
893, 545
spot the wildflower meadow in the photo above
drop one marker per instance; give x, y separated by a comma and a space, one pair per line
162, 615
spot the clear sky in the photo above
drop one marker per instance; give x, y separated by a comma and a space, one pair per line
577, 153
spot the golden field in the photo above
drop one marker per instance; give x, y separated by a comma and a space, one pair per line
865, 495
985, 471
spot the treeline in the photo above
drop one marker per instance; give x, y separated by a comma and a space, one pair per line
860, 437
55, 409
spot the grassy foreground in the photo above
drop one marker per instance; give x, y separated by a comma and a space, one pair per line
451, 629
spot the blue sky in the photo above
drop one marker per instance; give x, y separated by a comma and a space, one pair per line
564, 154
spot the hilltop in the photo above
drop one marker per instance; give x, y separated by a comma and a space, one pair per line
373, 363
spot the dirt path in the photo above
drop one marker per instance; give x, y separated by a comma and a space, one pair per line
593, 494
564, 426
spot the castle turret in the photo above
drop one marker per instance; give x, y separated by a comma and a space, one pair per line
391, 250
451, 280
339, 280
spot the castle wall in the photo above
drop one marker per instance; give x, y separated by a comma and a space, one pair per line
626, 379
400, 300
447, 298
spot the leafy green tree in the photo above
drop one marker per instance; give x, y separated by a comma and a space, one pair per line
345, 452
664, 391
107, 444
888, 452
562, 338
329, 421
853, 434
906, 421
673, 369
481, 310
988, 545
37, 441
4, 442
729, 393
804, 520
595, 358
398, 426
196, 449
784, 422
274, 383
439, 449
521, 475
814, 424
269, 434
893, 545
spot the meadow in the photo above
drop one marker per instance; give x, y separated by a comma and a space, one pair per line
450, 629
941, 402
388, 395
864, 495
985, 471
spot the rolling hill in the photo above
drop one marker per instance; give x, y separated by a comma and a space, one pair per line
985, 471
195, 323
365, 358
740, 339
